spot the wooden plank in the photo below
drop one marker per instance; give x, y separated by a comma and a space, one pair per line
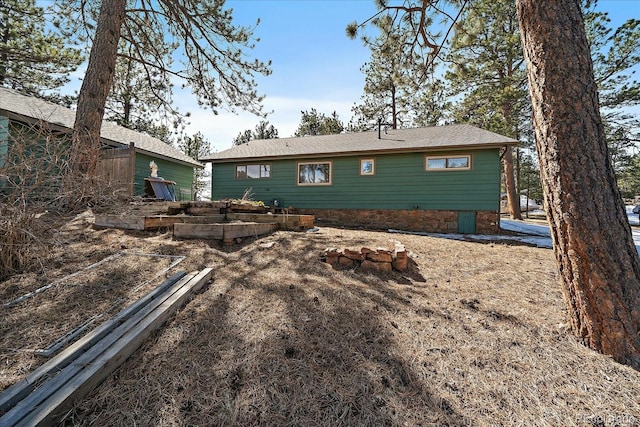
155, 222
285, 222
241, 207
198, 231
16, 392
202, 211
159, 221
248, 229
223, 231
131, 172
112, 356
39, 395
113, 221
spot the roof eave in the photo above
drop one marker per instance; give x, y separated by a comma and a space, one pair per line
63, 128
360, 153
152, 154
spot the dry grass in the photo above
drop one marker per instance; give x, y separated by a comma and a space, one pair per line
473, 335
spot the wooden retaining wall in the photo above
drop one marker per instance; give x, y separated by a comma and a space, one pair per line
224, 231
156, 222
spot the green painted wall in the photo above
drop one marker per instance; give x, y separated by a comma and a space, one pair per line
400, 182
181, 174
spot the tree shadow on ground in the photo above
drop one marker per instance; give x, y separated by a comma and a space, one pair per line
277, 341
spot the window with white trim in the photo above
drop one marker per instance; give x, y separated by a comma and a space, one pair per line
436, 163
253, 171
314, 173
367, 166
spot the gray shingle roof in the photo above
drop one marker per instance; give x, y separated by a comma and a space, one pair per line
437, 138
36, 109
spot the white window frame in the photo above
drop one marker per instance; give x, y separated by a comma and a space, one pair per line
446, 159
320, 162
373, 167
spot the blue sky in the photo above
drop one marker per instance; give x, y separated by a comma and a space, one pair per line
314, 64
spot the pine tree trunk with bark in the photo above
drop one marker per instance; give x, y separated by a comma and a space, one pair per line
513, 198
94, 91
598, 262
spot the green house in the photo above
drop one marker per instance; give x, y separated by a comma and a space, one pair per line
437, 179
126, 155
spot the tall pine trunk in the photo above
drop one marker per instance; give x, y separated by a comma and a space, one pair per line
513, 198
94, 91
598, 263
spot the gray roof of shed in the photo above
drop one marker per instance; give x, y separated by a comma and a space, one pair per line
35, 109
437, 138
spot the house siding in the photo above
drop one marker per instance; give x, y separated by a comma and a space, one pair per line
181, 174
400, 182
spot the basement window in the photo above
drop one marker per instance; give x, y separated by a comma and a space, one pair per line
314, 173
436, 163
367, 166
253, 171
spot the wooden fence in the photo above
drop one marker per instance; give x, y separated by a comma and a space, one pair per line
116, 169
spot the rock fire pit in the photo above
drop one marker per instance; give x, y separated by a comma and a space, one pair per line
380, 259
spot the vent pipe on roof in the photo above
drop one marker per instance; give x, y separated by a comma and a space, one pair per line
379, 126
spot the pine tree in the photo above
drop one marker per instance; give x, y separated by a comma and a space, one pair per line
33, 58
487, 70
263, 130
196, 147
598, 263
615, 52
142, 99
314, 123
215, 64
399, 90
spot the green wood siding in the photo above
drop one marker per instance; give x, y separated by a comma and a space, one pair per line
400, 182
181, 174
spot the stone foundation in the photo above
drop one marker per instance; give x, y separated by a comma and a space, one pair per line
431, 221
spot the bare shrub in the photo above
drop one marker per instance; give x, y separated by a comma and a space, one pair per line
29, 175
36, 194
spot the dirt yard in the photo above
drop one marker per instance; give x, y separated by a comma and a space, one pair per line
472, 334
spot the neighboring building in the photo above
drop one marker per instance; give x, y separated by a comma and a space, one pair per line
437, 179
20, 111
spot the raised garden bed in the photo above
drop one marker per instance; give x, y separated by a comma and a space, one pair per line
213, 220
223, 231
